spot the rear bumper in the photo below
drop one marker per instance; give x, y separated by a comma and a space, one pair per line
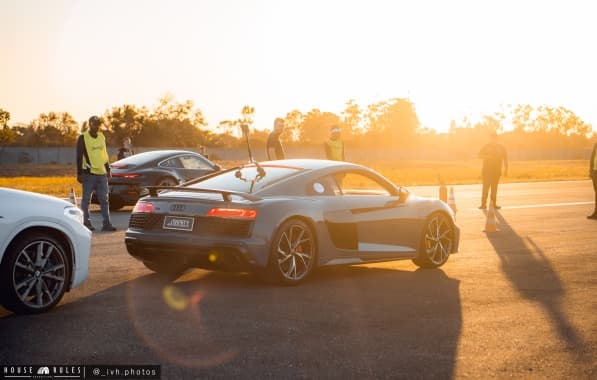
208, 253
129, 194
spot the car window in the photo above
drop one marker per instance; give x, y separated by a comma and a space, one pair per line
323, 186
356, 184
247, 179
192, 162
172, 163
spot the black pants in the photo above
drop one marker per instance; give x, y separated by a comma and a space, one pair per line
490, 181
594, 178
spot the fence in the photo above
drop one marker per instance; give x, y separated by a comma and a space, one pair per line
66, 155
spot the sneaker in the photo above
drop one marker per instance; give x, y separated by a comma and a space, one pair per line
497, 207
89, 226
109, 228
592, 216
482, 207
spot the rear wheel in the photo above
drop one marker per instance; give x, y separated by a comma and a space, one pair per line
115, 203
293, 252
35, 274
436, 242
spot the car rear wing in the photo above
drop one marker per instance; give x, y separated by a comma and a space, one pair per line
226, 195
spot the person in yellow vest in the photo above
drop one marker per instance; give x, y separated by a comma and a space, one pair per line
334, 146
93, 171
593, 175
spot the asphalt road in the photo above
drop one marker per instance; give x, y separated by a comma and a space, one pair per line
517, 303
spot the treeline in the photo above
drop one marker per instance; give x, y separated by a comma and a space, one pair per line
393, 123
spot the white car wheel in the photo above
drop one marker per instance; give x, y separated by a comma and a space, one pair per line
35, 274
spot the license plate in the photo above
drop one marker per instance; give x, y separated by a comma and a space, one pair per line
178, 223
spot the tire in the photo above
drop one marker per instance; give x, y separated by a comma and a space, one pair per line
115, 203
293, 253
165, 268
35, 274
436, 241
166, 181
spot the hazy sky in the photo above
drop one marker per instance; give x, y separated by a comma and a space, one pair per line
451, 58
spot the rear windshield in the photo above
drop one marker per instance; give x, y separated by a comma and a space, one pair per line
246, 179
140, 158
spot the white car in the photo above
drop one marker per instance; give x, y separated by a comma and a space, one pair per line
44, 250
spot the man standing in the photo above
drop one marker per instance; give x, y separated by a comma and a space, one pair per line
493, 156
126, 150
273, 147
93, 171
593, 175
334, 146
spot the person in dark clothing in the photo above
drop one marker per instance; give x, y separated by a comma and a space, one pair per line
273, 147
126, 149
93, 171
593, 175
494, 156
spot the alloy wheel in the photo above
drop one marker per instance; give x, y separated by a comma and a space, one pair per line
39, 274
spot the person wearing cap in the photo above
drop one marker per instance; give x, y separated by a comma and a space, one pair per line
273, 146
494, 155
334, 146
126, 150
593, 175
93, 171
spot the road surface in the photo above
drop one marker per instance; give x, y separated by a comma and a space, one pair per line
517, 303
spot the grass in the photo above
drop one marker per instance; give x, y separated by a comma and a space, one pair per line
57, 180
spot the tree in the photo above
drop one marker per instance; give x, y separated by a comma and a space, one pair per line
7, 134
54, 129
392, 123
124, 121
353, 119
315, 127
292, 126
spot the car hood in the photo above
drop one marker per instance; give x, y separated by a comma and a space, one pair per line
13, 195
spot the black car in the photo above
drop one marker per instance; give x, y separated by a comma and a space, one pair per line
132, 174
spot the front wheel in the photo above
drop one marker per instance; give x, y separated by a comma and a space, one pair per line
293, 252
35, 274
436, 242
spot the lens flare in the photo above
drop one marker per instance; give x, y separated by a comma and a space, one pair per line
175, 298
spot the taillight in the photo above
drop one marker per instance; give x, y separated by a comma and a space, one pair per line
237, 213
127, 176
144, 207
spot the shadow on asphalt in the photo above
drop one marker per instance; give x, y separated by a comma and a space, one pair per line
529, 270
344, 322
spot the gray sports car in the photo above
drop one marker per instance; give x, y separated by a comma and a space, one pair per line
284, 218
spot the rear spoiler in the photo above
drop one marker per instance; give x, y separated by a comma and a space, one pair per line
226, 195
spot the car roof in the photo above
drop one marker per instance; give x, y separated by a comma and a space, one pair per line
154, 155
310, 164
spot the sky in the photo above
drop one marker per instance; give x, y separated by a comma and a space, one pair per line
450, 58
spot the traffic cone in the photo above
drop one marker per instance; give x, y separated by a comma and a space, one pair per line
491, 223
451, 201
443, 190
71, 197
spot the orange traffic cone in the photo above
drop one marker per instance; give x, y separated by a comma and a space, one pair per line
71, 197
443, 190
491, 223
451, 201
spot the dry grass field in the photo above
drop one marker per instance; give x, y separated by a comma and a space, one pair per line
58, 179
